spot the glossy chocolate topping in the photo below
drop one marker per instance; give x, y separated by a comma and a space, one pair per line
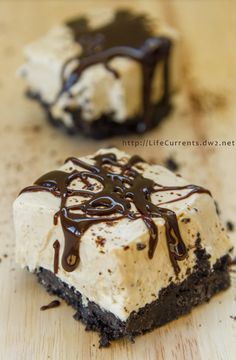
123, 192
127, 35
56, 246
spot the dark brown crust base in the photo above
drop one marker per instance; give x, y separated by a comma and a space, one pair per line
173, 301
104, 127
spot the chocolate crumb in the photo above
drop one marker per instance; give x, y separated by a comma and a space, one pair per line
185, 220
5, 255
100, 241
233, 317
140, 246
229, 226
126, 247
171, 164
51, 305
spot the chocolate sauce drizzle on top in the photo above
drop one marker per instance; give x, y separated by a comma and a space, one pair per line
119, 190
56, 246
127, 35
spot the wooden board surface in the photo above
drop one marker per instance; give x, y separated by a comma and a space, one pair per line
205, 109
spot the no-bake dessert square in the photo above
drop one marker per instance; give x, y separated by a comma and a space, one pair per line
131, 246
104, 75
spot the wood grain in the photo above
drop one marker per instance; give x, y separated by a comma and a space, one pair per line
205, 110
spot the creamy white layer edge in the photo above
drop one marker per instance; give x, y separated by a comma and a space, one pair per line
97, 91
118, 280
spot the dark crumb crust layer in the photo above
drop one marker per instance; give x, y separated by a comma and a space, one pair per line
173, 301
104, 127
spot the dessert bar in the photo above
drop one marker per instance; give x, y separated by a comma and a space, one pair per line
106, 77
131, 246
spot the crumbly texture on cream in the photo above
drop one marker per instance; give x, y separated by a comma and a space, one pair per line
97, 91
112, 272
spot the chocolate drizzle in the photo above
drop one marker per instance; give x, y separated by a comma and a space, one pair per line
56, 246
130, 36
123, 193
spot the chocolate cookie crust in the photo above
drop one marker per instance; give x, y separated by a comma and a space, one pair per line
173, 301
104, 127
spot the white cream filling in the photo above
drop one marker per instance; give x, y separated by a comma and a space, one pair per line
118, 280
45, 59
97, 91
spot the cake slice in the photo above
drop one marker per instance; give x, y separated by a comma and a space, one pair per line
131, 246
103, 75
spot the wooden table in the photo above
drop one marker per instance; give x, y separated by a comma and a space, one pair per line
205, 110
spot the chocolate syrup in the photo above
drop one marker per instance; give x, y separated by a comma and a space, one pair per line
119, 190
56, 246
127, 35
